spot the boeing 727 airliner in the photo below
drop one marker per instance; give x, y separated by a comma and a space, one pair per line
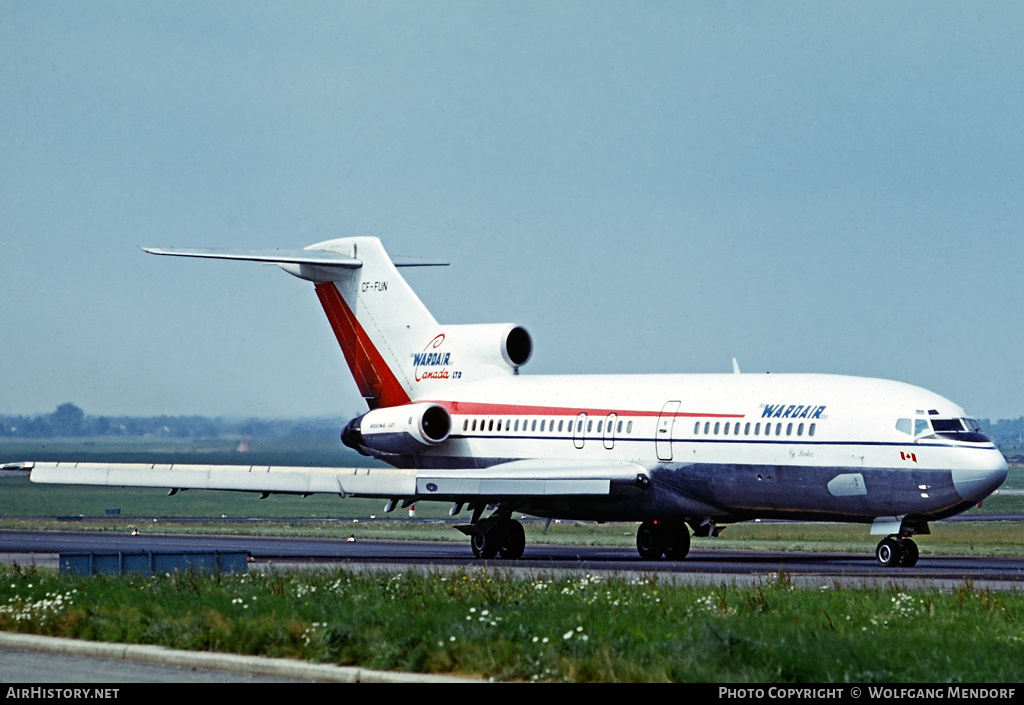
449, 411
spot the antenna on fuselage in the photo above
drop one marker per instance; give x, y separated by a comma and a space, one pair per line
735, 367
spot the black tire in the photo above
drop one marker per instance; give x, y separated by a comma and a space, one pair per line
888, 552
910, 553
677, 542
650, 543
484, 545
513, 540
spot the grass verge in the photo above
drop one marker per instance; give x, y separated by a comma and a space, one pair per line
584, 628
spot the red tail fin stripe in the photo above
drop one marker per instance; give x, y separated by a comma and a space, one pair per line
376, 381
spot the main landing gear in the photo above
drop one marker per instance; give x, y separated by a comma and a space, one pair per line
655, 539
491, 537
895, 551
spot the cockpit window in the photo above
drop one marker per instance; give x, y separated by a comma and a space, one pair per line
947, 425
913, 427
966, 430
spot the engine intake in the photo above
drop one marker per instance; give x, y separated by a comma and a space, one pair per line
517, 347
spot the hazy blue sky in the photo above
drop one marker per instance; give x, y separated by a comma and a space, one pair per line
647, 186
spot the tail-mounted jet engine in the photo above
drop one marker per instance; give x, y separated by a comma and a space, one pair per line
398, 430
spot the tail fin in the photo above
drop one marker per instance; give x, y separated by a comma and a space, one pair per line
374, 313
395, 349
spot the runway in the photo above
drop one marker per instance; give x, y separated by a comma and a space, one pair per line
701, 566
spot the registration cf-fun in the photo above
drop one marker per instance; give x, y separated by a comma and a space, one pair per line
457, 423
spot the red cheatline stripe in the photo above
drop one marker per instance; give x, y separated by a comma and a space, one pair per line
376, 381
483, 408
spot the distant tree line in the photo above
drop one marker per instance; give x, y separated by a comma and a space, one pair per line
1005, 432
69, 421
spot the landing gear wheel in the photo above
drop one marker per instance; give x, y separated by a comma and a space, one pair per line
677, 542
512, 539
485, 545
649, 541
888, 552
909, 553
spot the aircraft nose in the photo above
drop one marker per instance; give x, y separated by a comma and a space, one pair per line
976, 483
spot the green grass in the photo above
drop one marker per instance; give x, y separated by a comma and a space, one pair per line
584, 628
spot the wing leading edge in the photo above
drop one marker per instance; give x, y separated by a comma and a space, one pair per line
515, 479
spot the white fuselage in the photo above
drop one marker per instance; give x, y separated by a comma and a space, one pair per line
734, 446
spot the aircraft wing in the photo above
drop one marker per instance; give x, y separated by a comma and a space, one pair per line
518, 479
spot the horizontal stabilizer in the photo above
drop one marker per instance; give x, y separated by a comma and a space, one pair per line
317, 257
322, 258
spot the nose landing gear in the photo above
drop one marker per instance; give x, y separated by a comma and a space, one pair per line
893, 551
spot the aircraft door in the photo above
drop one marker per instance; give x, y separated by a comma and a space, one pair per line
609, 431
579, 430
663, 435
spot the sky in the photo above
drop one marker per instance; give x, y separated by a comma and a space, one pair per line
646, 186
